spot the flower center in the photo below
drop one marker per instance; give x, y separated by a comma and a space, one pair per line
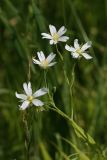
55, 36
79, 51
44, 64
30, 98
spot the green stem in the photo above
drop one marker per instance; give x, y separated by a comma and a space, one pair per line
29, 69
27, 135
67, 80
60, 55
71, 89
46, 84
45, 80
78, 130
70, 84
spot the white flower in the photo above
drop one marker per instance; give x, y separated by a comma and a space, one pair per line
30, 98
55, 36
43, 61
77, 51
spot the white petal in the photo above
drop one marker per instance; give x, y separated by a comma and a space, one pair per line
47, 36
62, 30
36, 61
40, 92
37, 102
76, 44
75, 55
52, 64
55, 42
52, 29
68, 48
25, 88
86, 46
63, 38
29, 89
50, 57
24, 105
51, 42
86, 56
21, 96
41, 56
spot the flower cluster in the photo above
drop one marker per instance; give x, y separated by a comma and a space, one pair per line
56, 36
29, 98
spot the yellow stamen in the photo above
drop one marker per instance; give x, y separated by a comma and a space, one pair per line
44, 64
55, 36
30, 98
79, 51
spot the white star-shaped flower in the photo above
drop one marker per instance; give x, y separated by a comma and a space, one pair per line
78, 51
30, 98
43, 61
55, 36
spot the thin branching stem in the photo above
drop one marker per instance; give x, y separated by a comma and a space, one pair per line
60, 55
45, 78
29, 69
71, 90
78, 129
27, 135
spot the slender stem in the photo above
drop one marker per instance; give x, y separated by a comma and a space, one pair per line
27, 135
45, 80
41, 79
29, 68
67, 80
70, 84
60, 55
78, 129
71, 90
46, 84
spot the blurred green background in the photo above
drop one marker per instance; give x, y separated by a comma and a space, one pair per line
21, 24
